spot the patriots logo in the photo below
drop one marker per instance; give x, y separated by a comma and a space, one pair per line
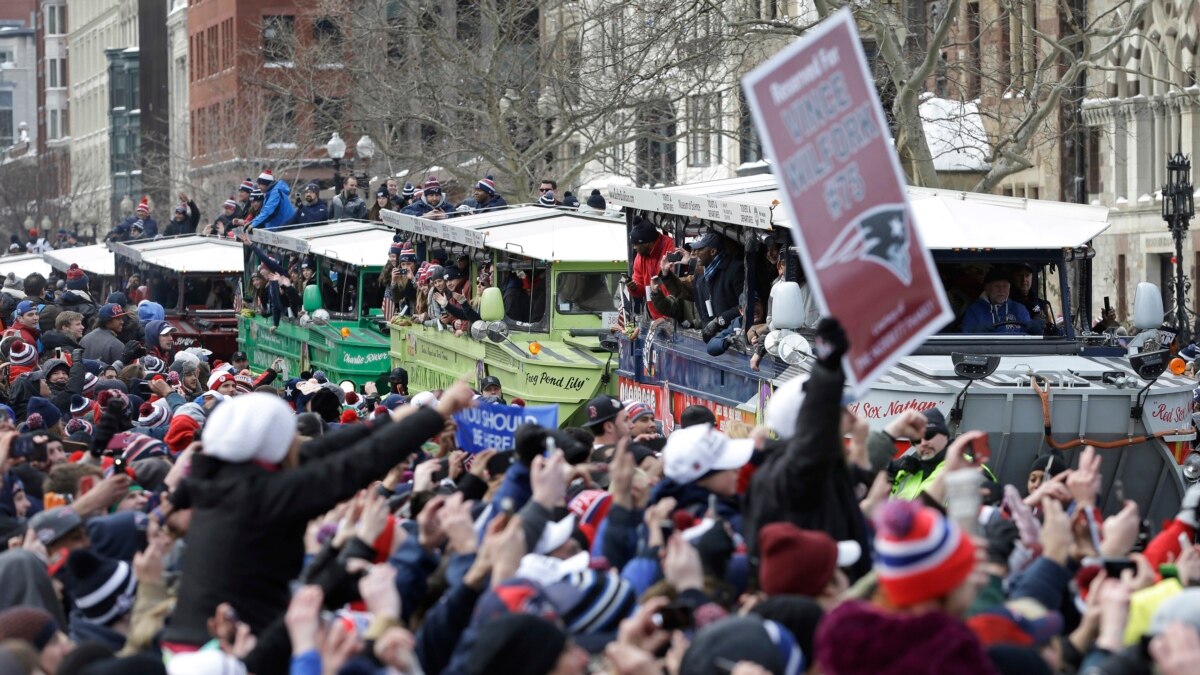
881, 236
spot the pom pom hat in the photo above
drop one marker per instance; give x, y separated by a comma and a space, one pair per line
919, 554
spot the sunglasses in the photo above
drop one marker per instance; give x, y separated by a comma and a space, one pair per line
930, 434
544, 189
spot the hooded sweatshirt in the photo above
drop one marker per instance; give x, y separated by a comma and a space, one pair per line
154, 330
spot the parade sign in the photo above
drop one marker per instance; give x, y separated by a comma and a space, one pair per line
822, 126
492, 425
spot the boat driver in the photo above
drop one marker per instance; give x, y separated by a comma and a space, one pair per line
995, 312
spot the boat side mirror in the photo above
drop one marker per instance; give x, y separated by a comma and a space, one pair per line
312, 298
491, 304
497, 331
1147, 307
787, 307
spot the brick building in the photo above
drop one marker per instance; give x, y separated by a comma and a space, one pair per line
242, 56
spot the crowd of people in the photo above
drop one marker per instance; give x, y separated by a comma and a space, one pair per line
163, 510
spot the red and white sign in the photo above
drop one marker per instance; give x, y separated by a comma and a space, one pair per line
822, 126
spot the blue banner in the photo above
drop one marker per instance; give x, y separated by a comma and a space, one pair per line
492, 425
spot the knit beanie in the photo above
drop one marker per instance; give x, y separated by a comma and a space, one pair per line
21, 353
77, 280
30, 624
920, 555
152, 415
153, 365
105, 589
250, 427
793, 561
50, 413
518, 644
487, 184
218, 378
141, 446
596, 201
592, 601
547, 198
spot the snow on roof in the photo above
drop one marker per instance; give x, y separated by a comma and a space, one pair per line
955, 133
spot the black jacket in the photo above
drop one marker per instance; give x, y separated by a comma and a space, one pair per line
246, 540
188, 225
55, 338
808, 482
723, 288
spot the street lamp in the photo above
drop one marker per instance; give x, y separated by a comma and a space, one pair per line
336, 148
365, 148
1177, 209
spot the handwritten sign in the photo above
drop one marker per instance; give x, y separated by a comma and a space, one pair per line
495, 426
822, 126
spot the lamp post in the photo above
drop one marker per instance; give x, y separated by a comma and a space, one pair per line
365, 148
1178, 207
336, 148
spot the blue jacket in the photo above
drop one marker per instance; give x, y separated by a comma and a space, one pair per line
149, 227
982, 316
277, 209
307, 214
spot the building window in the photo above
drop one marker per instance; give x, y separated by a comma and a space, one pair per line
703, 127
52, 75
327, 33
6, 56
55, 23
974, 63
278, 31
656, 144
214, 51
751, 144
53, 124
327, 113
281, 121
6, 119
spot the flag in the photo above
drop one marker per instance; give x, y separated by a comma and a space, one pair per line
238, 300
389, 307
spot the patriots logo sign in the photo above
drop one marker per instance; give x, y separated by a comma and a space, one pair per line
881, 236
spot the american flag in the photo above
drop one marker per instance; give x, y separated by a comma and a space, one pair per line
389, 307
238, 300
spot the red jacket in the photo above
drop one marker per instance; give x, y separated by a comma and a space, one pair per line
646, 268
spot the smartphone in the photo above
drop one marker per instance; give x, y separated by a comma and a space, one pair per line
118, 465
675, 616
667, 527
550, 447
712, 505
1107, 304
1119, 488
1113, 567
981, 451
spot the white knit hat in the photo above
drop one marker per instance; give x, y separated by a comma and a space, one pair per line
250, 427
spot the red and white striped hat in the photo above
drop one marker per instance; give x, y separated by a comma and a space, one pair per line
144, 205
266, 177
920, 555
432, 184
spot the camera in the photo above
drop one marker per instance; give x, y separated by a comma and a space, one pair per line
687, 269
675, 256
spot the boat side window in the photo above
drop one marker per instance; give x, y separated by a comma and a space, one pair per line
524, 287
372, 292
207, 292
586, 292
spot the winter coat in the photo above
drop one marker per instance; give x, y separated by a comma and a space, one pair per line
60, 394
102, 345
647, 267
124, 230
29, 335
676, 303
982, 317
79, 301
421, 208
308, 214
808, 482
692, 498
720, 285
494, 202
341, 207
277, 209
246, 539
188, 225
154, 330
